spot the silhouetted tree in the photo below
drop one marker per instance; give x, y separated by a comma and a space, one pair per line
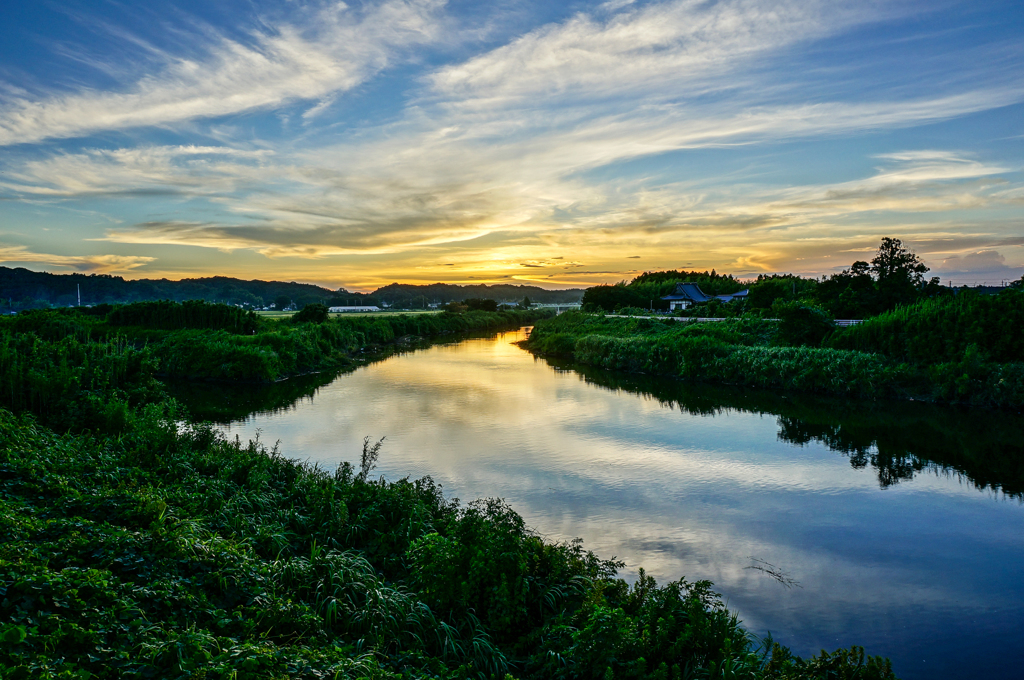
899, 273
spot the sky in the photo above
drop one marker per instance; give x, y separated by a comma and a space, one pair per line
555, 144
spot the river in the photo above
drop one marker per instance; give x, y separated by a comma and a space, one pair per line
827, 523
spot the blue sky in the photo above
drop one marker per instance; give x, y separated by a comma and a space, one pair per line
557, 144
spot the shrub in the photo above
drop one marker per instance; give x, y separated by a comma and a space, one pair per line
313, 313
801, 324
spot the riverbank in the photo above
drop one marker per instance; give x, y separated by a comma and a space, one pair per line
167, 551
750, 351
134, 543
70, 367
282, 350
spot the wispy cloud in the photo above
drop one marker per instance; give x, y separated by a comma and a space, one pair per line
668, 43
142, 170
334, 50
527, 149
99, 264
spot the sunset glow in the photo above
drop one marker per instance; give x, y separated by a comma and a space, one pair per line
556, 144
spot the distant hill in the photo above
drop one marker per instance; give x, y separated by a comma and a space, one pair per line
404, 295
24, 289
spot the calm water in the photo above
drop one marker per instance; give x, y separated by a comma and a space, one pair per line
897, 526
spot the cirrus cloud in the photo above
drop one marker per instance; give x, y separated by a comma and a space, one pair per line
334, 50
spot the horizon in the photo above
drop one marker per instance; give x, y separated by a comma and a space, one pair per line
422, 141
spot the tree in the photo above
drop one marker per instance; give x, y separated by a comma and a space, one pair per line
526, 302
314, 313
610, 298
899, 273
455, 307
850, 294
481, 304
802, 324
895, 262
281, 302
769, 288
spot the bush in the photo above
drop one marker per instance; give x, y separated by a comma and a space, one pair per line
941, 329
314, 313
746, 351
802, 325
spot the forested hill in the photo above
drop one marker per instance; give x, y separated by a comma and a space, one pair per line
447, 292
24, 289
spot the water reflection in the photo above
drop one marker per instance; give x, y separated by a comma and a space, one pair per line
896, 439
227, 402
908, 551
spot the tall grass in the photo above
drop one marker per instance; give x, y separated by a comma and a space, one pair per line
943, 329
168, 551
744, 352
70, 382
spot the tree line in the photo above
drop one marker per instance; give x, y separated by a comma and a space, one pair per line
894, 277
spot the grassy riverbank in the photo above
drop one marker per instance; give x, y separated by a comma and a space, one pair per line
949, 351
135, 544
70, 367
166, 551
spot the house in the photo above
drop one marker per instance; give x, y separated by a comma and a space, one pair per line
687, 294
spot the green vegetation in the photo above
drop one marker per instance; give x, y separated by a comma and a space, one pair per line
944, 329
137, 544
481, 304
924, 342
894, 277
212, 342
645, 291
170, 552
314, 313
167, 315
962, 350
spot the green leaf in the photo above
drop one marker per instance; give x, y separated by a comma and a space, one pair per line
13, 635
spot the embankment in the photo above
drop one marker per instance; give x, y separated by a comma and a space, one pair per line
746, 352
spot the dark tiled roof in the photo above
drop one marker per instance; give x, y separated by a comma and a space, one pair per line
693, 293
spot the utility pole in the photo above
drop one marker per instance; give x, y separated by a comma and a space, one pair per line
79, 295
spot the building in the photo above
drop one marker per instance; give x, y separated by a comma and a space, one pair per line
687, 294
364, 308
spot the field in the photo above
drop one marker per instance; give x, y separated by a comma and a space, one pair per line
286, 315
